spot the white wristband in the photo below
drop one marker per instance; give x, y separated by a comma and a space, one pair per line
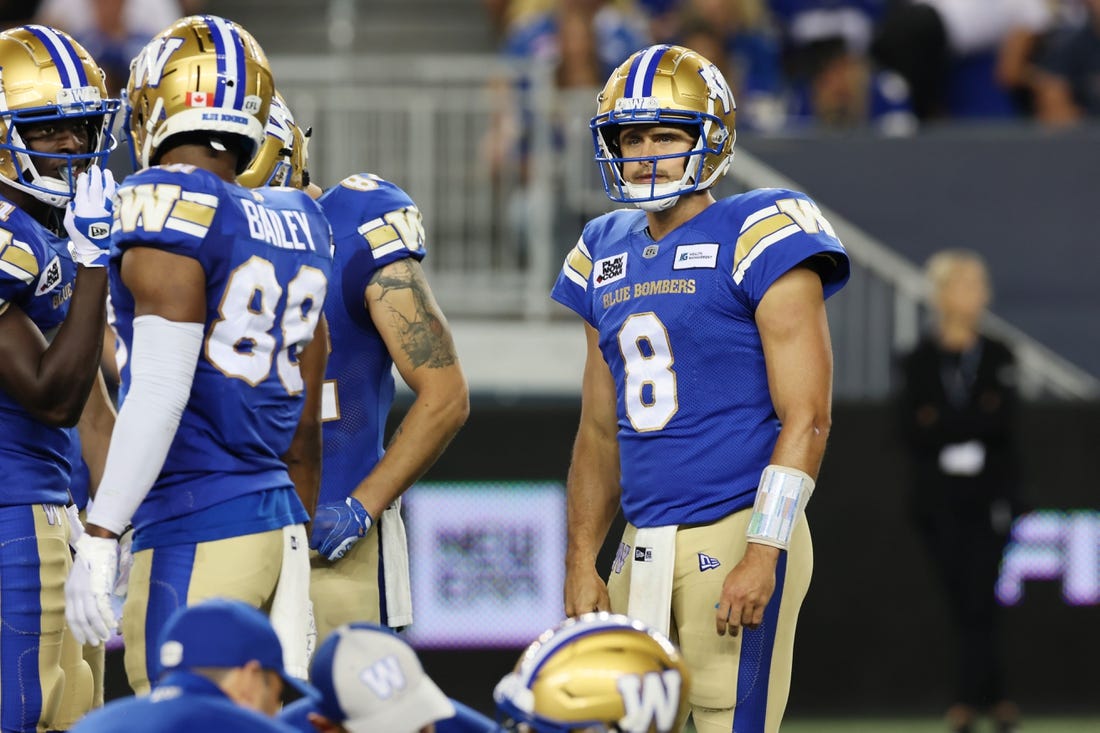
781, 499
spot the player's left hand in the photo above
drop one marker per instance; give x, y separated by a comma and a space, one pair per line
337, 527
88, 590
747, 590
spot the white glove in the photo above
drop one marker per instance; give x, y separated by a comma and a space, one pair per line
76, 527
88, 590
88, 217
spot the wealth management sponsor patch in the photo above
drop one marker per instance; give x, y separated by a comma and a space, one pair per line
696, 256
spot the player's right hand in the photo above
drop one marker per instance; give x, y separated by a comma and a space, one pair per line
88, 217
337, 527
585, 591
88, 590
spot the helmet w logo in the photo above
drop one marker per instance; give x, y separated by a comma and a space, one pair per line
650, 701
719, 89
150, 63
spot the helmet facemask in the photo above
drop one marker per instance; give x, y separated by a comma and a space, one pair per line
659, 196
55, 190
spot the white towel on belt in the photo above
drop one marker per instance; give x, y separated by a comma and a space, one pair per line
291, 608
651, 572
395, 566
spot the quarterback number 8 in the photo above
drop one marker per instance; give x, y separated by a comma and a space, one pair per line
241, 342
650, 393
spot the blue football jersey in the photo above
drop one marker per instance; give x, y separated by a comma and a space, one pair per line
182, 702
267, 256
374, 223
677, 328
80, 479
36, 274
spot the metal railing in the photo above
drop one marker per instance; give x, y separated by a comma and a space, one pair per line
449, 130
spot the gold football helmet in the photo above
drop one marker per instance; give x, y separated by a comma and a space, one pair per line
283, 157
667, 85
600, 671
203, 74
47, 77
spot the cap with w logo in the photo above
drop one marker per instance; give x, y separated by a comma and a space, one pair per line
371, 680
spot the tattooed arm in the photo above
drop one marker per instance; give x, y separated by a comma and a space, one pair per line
415, 331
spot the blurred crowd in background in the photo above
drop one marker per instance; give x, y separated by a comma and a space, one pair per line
889, 65
839, 64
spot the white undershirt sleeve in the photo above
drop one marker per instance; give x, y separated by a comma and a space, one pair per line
162, 367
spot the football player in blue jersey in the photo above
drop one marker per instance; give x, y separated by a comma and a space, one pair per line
55, 121
381, 313
217, 292
706, 391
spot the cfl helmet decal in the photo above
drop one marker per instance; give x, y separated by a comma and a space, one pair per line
668, 85
47, 77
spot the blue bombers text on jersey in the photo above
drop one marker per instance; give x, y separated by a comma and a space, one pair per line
267, 256
677, 329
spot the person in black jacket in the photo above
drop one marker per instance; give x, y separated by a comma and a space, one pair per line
958, 401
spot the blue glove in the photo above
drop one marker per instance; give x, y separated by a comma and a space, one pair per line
88, 217
339, 526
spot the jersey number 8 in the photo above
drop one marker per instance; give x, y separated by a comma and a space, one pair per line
650, 395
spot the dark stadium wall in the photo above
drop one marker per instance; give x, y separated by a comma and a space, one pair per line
872, 633
1025, 199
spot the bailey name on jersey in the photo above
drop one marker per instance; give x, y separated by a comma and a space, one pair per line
278, 228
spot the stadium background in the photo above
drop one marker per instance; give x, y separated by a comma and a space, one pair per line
408, 90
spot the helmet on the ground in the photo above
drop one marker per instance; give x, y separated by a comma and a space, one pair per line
602, 671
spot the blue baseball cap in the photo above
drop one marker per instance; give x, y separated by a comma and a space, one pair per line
222, 632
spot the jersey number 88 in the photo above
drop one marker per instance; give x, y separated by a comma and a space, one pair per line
242, 342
